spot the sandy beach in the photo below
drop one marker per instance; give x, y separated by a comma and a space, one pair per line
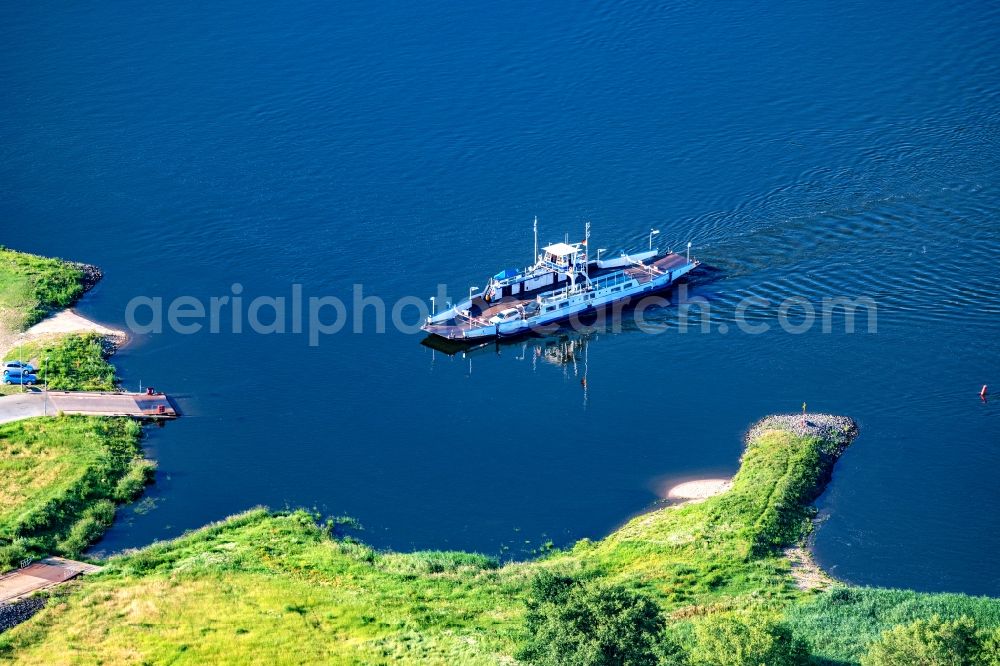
699, 489
61, 323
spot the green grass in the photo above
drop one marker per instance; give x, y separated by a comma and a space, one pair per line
60, 478
246, 589
839, 623
32, 286
74, 362
251, 588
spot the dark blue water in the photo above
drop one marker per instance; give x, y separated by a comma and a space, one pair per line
807, 149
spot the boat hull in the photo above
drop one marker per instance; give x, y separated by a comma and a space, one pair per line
545, 323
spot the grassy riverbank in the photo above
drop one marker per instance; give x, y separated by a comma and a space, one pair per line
251, 587
60, 479
727, 546
32, 286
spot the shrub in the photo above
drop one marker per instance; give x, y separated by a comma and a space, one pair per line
13, 553
933, 642
989, 654
131, 485
75, 363
590, 624
85, 531
744, 640
437, 561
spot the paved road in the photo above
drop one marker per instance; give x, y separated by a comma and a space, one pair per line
21, 406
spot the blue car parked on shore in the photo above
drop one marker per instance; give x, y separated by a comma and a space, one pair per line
18, 365
18, 377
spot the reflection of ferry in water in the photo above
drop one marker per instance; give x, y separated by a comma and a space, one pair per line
562, 349
564, 281
569, 351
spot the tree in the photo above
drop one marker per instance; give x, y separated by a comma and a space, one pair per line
590, 624
989, 653
933, 642
738, 639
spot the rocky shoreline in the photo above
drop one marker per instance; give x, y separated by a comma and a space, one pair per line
90, 275
839, 431
15, 613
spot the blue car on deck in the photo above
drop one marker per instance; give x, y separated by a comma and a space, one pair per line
18, 377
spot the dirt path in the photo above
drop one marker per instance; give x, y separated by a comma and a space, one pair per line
805, 571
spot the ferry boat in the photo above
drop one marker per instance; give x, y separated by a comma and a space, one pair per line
564, 281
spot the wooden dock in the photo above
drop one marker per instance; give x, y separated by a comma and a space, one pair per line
40, 575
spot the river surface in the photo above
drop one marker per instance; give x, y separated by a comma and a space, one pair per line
807, 150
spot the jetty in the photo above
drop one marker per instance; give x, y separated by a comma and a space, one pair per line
148, 405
